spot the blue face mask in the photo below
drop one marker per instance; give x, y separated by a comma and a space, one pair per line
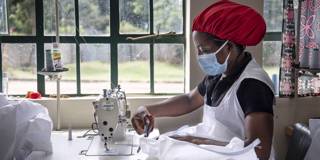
209, 63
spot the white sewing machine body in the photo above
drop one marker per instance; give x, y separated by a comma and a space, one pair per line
111, 115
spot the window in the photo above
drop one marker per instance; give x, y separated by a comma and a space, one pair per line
168, 68
95, 45
19, 61
271, 57
168, 16
95, 67
134, 67
66, 17
68, 85
21, 17
134, 16
3, 17
273, 15
94, 12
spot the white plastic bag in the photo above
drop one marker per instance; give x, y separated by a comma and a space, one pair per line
3, 100
7, 131
24, 127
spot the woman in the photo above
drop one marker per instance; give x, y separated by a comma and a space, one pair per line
236, 93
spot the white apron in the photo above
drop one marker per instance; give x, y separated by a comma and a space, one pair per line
227, 119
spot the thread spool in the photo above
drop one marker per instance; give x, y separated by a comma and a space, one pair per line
56, 57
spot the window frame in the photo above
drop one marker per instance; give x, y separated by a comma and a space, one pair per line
114, 39
6, 18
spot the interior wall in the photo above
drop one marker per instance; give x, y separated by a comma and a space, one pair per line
79, 111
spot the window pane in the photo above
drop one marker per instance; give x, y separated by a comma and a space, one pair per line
68, 84
134, 16
21, 17
95, 68
134, 68
19, 62
94, 17
271, 60
273, 15
66, 17
168, 16
3, 17
169, 68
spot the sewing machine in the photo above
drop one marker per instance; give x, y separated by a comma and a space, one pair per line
111, 116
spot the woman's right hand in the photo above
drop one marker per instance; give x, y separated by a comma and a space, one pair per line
141, 119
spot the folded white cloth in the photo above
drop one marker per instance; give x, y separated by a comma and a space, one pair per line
166, 148
24, 127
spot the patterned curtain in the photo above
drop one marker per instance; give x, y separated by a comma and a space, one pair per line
288, 51
308, 66
309, 29
308, 80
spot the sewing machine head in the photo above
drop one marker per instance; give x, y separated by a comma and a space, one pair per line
111, 115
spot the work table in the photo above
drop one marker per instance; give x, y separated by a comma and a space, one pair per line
75, 149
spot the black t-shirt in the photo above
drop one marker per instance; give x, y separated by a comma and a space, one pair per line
253, 95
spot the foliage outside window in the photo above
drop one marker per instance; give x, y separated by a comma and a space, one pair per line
96, 51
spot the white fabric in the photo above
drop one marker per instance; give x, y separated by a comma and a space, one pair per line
223, 123
24, 127
216, 131
314, 149
166, 148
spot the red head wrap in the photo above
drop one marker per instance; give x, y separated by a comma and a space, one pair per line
231, 21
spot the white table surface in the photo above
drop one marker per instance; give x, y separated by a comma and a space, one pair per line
63, 149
